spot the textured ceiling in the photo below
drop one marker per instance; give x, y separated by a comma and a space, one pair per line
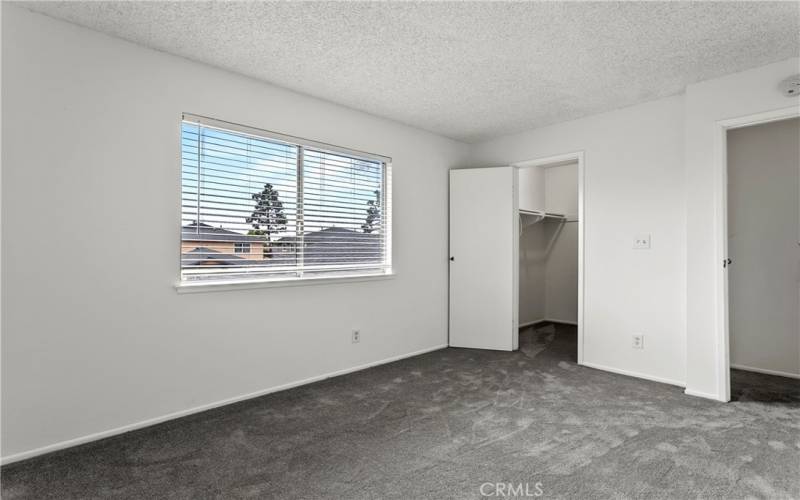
467, 70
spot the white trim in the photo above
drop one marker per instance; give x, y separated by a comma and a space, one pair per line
705, 395
549, 320
531, 323
765, 371
562, 321
720, 232
761, 118
634, 374
197, 409
226, 285
550, 161
581, 253
563, 159
515, 234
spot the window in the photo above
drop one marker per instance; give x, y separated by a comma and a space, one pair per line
263, 206
241, 248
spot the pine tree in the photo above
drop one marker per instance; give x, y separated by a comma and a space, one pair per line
373, 220
267, 217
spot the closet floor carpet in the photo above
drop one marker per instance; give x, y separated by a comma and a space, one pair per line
453, 424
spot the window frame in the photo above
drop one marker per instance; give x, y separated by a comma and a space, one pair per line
241, 247
383, 271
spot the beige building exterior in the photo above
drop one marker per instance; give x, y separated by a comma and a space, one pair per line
204, 240
247, 250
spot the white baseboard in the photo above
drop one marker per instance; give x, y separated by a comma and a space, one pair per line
530, 323
705, 395
16, 457
548, 320
766, 372
634, 374
562, 321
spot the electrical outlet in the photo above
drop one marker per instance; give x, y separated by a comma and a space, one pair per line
638, 341
356, 338
641, 241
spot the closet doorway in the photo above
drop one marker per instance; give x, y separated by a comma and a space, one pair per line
550, 244
763, 263
485, 260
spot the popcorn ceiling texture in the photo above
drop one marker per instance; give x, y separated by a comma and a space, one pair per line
470, 71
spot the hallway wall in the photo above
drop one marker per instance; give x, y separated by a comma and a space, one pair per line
705, 105
763, 225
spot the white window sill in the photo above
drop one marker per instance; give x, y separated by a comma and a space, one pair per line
222, 285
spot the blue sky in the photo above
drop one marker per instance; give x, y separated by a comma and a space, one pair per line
235, 166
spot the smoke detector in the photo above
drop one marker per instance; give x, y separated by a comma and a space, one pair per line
791, 86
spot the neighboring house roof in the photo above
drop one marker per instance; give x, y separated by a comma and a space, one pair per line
340, 233
206, 232
333, 245
338, 244
202, 256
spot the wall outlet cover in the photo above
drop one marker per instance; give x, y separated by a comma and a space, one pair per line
638, 341
641, 241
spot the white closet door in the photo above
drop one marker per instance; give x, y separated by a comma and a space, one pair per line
484, 246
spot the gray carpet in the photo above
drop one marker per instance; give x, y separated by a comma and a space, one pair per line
440, 425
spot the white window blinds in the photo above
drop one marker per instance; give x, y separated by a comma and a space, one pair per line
258, 205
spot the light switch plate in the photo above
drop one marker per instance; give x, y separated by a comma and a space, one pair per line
641, 241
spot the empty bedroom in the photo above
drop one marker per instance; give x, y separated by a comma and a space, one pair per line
399, 250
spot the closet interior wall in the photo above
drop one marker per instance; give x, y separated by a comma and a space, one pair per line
548, 255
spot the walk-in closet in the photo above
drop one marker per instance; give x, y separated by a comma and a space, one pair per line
548, 251
515, 238
548, 254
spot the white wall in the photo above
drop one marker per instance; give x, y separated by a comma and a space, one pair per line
532, 260
634, 183
94, 335
531, 189
763, 223
706, 103
650, 168
532, 245
561, 266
